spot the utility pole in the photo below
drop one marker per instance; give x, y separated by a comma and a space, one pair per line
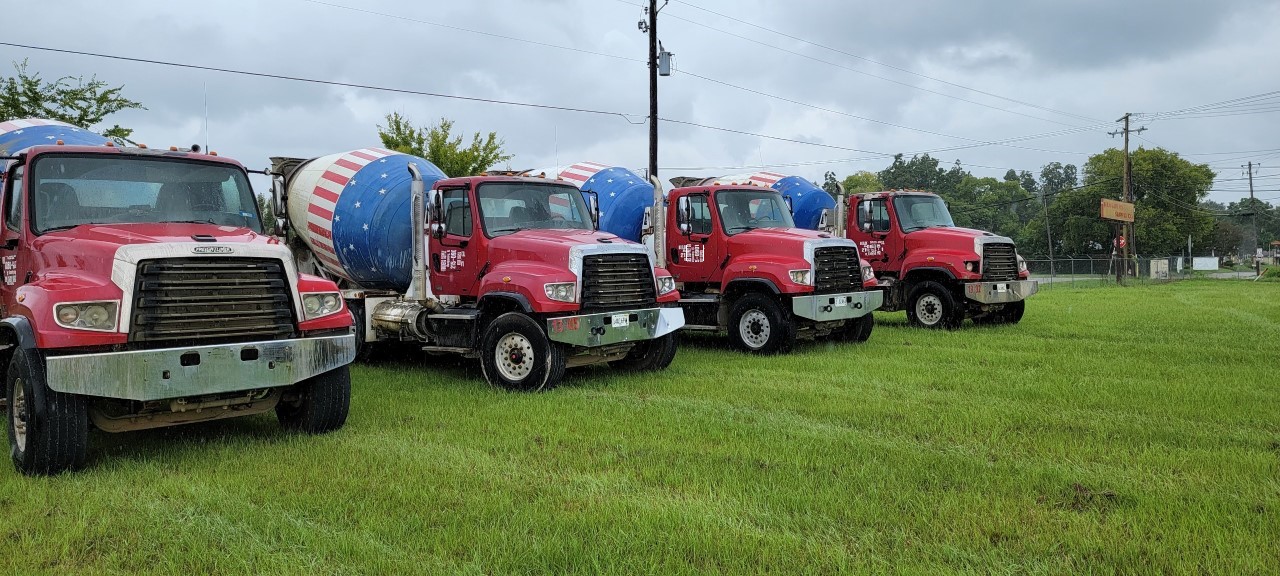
1128, 189
1252, 245
651, 27
1048, 230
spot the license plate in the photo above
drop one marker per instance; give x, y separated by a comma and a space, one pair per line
621, 320
1002, 287
842, 300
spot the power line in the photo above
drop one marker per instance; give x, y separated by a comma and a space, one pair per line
891, 66
325, 82
854, 70
701, 77
473, 31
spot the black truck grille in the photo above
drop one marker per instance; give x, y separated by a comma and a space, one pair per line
617, 281
184, 301
999, 262
838, 270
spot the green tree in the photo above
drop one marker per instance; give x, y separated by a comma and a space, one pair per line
435, 143
829, 183
862, 181
989, 204
70, 99
1167, 191
922, 172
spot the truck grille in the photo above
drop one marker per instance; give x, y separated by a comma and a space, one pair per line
837, 270
186, 301
617, 281
999, 262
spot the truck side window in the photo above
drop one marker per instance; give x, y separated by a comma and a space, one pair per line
457, 212
879, 216
13, 201
700, 220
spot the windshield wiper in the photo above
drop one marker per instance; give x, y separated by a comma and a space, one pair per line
742, 228
505, 230
187, 222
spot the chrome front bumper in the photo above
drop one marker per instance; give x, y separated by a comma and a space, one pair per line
177, 372
614, 327
1000, 292
828, 307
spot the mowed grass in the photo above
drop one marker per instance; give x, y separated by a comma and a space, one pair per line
1116, 430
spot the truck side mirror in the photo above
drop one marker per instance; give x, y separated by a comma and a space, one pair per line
435, 213
593, 205
278, 195
790, 206
684, 214
824, 223
864, 216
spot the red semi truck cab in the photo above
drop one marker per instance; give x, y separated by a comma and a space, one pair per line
939, 273
743, 267
140, 291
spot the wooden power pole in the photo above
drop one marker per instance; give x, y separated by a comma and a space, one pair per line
1128, 228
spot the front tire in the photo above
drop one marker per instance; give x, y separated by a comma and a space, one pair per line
516, 354
931, 305
48, 430
650, 355
322, 403
859, 329
757, 324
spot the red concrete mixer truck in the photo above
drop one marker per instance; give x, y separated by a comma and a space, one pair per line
508, 270
742, 265
141, 291
939, 273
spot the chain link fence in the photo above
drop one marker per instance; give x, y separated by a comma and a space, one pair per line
1083, 271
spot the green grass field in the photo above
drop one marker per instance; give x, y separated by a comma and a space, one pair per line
1116, 430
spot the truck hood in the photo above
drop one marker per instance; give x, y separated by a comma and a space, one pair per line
555, 246
779, 241
965, 239
92, 249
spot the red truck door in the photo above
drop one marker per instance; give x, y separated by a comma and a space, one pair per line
872, 229
457, 258
695, 257
13, 261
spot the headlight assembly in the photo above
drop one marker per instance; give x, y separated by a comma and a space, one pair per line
560, 291
802, 277
666, 284
320, 304
97, 316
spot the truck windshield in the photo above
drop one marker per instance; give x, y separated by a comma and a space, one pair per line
743, 210
70, 191
917, 212
507, 207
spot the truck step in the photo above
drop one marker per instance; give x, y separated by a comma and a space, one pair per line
465, 314
699, 298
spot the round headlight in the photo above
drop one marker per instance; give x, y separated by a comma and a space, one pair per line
68, 314
330, 302
96, 317
312, 305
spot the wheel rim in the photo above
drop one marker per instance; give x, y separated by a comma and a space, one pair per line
754, 328
929, 309
18, 412
514, 357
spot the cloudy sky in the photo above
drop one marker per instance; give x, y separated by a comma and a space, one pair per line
819, 84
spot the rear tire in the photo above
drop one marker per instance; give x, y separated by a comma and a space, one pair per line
757, 324
859, 329
649, 356
48, 430
931, 305
322, 404
516, 354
